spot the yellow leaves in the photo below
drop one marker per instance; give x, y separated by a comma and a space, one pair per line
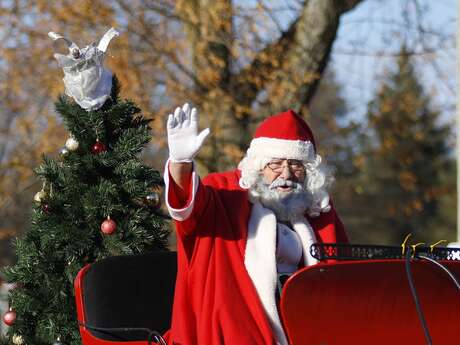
33, 139
419, 136
210, 76
436, 193
122, 66
391, 210
417, 205
409, 103
411, 208
285, 85
53, 84
406, 102
53, 137
216, 62
219, 16
272, 59
359, 161
386, 106
241, 110
359, 189
407, 180
188, 9
233, 152
6, 233
406, 208
389, 143
9, 54
79, 12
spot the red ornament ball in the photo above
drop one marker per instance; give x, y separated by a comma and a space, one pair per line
46, 208
98, 147
9, 318
108, 226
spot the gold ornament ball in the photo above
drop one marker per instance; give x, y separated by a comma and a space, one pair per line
71, 144
63, 152
152, 199
39, 196
18, 339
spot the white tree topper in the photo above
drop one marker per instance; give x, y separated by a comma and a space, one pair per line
86, 79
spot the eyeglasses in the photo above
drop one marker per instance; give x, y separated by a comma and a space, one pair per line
277, 165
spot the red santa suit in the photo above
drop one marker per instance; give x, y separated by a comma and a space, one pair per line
227, 273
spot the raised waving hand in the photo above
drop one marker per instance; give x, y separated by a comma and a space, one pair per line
184, 141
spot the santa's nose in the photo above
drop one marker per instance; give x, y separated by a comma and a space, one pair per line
286, 173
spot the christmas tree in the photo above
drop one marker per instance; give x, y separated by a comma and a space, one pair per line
98, 200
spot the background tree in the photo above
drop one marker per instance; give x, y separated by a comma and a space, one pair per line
97, 200
191, 50
340, 141
235, 62
407, 160
238, 61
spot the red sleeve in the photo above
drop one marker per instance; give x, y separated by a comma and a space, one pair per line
178, 197
190, 205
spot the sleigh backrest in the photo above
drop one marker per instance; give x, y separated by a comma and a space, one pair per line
126, 291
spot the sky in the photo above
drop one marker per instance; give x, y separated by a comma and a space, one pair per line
370, 36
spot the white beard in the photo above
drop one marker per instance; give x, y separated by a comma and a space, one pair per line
287, 206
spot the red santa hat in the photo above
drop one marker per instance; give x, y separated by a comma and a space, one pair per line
284, 135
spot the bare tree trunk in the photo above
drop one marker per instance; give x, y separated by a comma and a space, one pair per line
292, 64
210, 32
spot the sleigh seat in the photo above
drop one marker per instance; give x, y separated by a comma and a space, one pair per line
126, 299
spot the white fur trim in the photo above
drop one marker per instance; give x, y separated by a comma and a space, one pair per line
260, 262
182, 213
260, 259
307, 238
282, 148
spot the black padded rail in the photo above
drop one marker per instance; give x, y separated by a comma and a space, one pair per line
130, 292
337, 251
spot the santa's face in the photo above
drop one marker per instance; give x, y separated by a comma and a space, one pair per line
280, 188
284, 174
290, 188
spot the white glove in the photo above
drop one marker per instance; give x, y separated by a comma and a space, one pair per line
183, 139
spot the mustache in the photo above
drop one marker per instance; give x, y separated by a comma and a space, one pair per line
281, 182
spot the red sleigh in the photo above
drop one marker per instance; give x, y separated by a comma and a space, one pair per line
366, 299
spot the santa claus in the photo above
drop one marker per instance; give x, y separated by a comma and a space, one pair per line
238, 231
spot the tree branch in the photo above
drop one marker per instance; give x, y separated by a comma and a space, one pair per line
303, 49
